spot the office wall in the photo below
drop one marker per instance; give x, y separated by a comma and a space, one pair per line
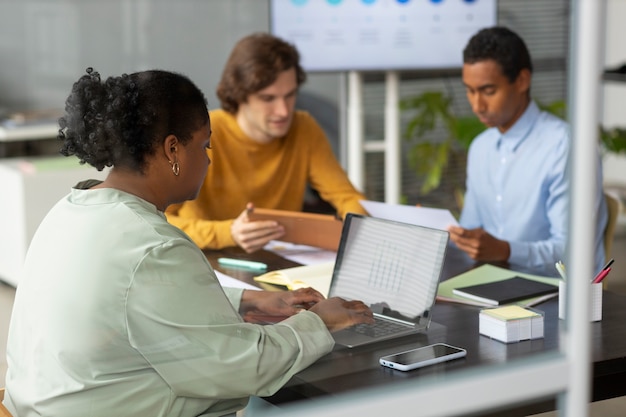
46, 45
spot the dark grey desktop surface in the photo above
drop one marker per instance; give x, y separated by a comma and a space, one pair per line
345, 370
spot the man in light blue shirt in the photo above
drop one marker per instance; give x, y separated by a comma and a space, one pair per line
517, 196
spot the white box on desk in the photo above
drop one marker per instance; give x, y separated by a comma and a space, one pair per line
29, 188
511, 323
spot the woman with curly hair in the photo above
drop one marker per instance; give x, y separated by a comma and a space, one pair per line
119, 313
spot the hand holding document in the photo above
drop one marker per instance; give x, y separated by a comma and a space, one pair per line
422, 216
319, 230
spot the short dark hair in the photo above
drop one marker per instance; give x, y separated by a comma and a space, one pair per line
501, 45
120, 122
255, 63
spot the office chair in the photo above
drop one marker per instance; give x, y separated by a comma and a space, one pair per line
326, 114
3, 411
613, 206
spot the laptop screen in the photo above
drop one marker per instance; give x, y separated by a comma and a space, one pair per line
393, 267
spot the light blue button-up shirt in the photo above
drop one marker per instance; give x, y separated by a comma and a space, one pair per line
518, 189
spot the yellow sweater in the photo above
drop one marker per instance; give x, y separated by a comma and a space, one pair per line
270, 175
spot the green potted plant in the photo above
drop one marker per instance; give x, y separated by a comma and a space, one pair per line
431, 156
613, 140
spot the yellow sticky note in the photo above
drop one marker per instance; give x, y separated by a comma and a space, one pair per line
510, 312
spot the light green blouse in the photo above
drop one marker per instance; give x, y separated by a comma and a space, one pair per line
119, 313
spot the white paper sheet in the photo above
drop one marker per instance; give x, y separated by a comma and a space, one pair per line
303, 254
422, 216
228, 281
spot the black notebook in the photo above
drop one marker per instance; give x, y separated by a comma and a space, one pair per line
506, 291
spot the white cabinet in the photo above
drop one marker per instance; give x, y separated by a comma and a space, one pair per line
29, 188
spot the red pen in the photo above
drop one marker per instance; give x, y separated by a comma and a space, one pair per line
598, 279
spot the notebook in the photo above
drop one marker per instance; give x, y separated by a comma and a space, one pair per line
394, 268
506, 291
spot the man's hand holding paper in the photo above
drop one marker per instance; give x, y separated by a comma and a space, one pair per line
479, 244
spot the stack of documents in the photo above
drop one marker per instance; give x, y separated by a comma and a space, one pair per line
315, 276
511, 323
489, 273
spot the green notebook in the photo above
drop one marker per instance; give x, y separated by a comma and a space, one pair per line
507, 291
489, 273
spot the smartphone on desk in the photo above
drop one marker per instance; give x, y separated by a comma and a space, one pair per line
423, 356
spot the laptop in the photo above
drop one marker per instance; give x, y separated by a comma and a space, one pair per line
392, 267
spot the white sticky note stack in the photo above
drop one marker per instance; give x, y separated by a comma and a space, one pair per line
511, 323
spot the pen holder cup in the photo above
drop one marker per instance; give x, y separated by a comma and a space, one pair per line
595, 298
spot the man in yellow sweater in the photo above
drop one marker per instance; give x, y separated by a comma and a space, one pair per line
264, 152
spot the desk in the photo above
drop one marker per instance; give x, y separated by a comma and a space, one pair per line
348, 369
28, 132
32, 131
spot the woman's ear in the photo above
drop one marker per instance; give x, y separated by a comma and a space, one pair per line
170, 147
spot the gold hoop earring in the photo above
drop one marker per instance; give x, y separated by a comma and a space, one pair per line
175, 167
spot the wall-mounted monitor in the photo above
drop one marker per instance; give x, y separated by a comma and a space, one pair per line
379, 35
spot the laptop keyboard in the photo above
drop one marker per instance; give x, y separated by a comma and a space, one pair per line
379, 328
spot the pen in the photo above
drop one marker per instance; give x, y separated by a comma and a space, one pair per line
242, 263
604, 268
598, 279
608, 264
560, 266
